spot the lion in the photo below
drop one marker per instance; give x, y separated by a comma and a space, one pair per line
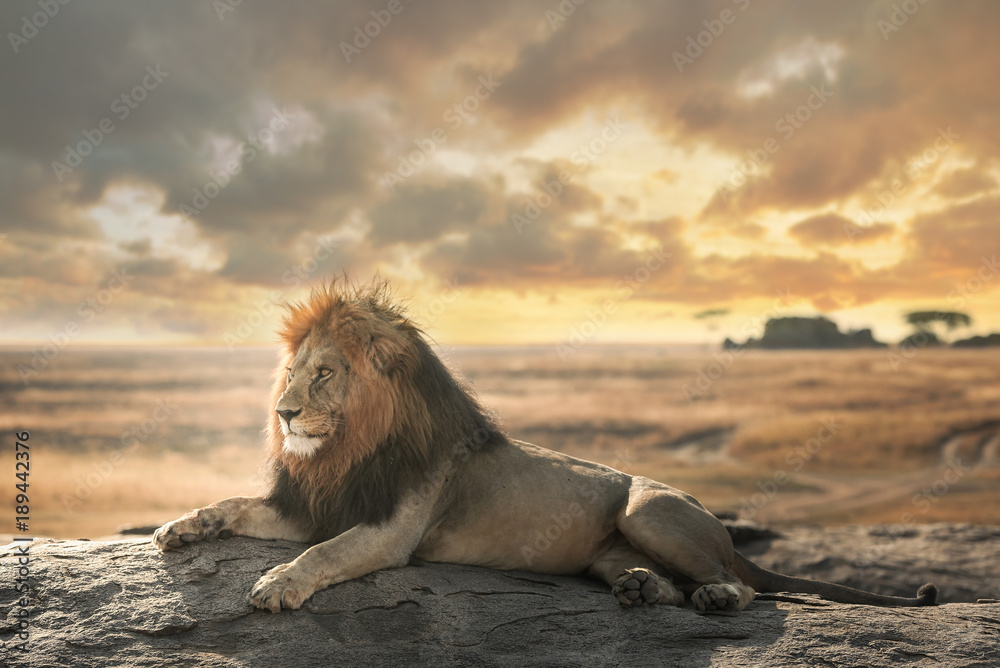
377, 456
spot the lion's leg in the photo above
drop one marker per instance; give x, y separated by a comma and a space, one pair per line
680, 535
634, 577
358, 551
239, 515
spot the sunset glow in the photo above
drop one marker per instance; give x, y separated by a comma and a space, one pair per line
519, 173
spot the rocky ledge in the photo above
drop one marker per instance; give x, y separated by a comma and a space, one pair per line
124, 603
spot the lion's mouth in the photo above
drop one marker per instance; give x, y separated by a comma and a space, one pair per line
301, 434
304, 443
328, 430
301, 445
305, 434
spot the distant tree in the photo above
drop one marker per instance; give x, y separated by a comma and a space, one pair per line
924, 321
711, 315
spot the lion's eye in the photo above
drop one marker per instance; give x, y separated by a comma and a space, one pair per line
324, 372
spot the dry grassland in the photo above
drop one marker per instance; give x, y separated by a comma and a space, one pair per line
138, 436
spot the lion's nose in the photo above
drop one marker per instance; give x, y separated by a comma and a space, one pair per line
288, 415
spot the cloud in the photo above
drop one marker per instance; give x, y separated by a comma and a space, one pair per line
953, 241
740, 131
424, 211
965, 183
832, 230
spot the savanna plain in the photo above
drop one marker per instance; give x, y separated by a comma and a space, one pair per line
138, 436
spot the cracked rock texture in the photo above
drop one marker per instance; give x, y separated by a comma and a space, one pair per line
123, 603
963, 560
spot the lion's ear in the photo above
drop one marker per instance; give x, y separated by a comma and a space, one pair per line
377, 349
389, 353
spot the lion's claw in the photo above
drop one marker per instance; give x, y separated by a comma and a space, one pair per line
715, 597
198, 525
641, 586
280, 588
636, 586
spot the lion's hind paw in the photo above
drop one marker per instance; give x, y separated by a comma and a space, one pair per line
640, 586
716, 597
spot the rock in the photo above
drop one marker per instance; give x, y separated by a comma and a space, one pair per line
808, 333
744, 531
863, 338
141, 530
124, 603
729, 344
959, 558
987, 341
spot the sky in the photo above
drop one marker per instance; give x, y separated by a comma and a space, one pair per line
522, 172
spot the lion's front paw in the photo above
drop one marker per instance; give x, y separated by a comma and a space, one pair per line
197, 525
640, 586
281, 587
712, 597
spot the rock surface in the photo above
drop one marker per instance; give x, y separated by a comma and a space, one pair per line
124, 603
961, 559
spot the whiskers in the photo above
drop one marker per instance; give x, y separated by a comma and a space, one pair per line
333, 424
316, 429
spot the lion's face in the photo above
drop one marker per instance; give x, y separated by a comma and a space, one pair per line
311, 408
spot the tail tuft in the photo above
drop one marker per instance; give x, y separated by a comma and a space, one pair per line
927, 595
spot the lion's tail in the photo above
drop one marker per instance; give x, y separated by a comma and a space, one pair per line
763, 580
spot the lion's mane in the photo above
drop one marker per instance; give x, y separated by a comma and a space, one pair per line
406, 418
